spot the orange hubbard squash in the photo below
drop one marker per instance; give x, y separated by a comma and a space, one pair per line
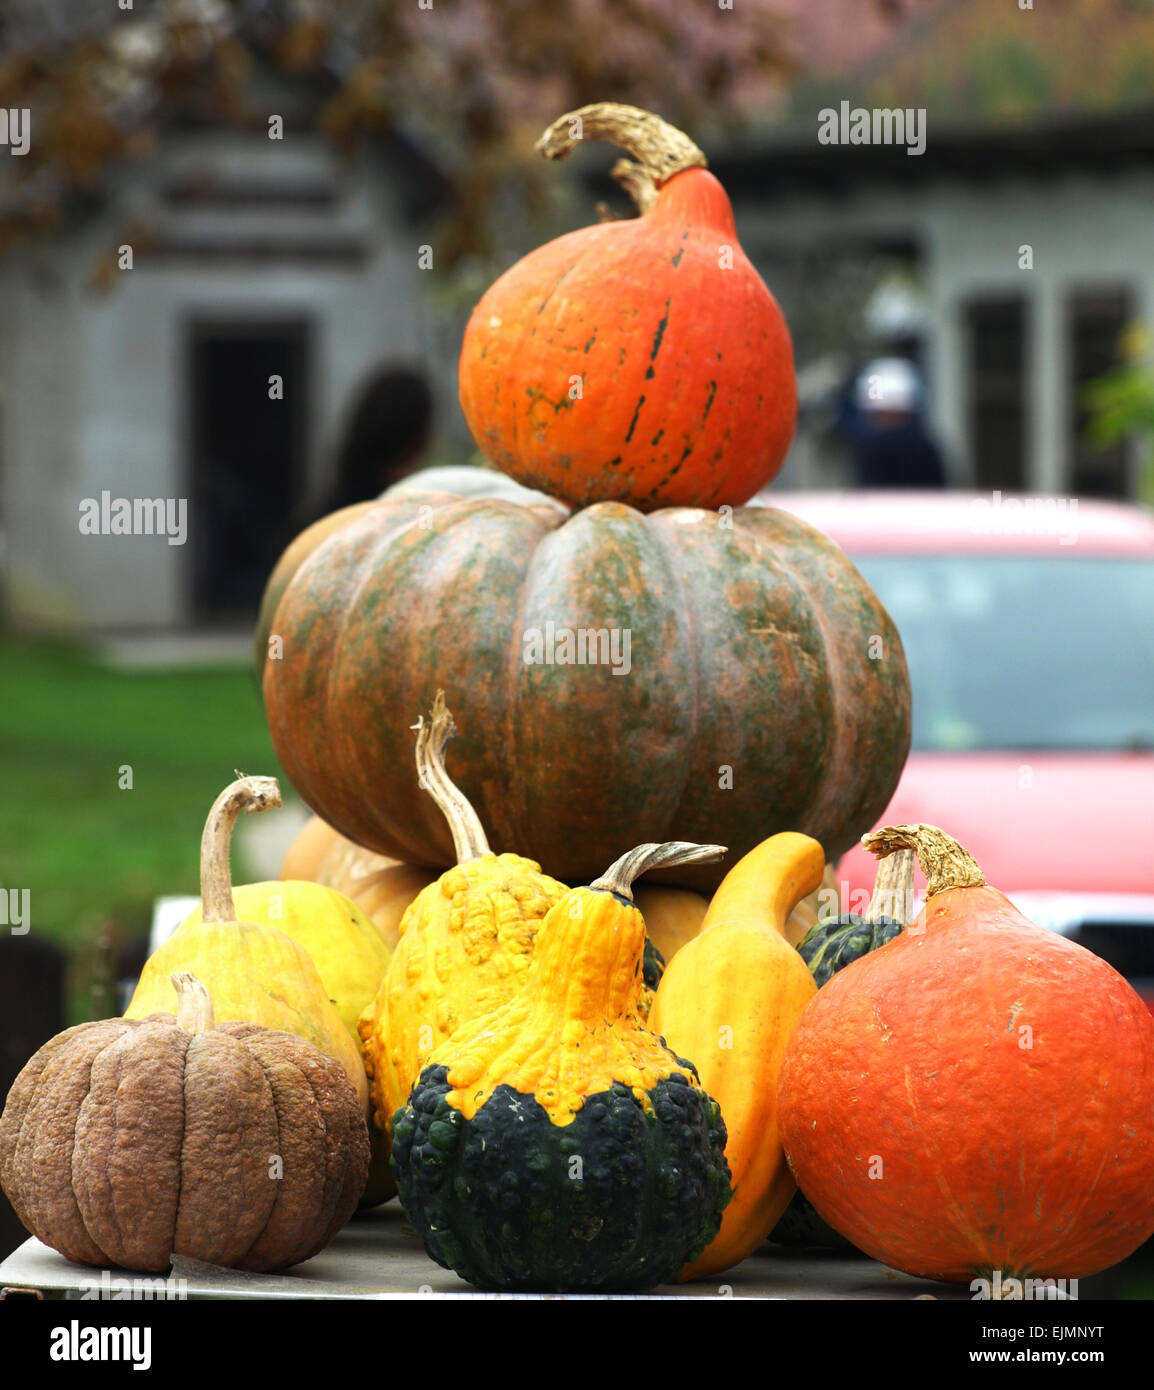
641, 361
977, 1095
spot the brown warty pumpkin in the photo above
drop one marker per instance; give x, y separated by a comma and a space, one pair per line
618, 677
128, 1141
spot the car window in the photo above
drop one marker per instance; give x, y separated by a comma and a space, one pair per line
1019, 652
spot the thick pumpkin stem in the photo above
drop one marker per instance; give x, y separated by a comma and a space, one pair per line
661, 150
194, 1003
469, 840
618, 878
637, 182
249, 794
944, 862
893, 888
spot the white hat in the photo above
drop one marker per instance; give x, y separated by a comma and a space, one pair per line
888, 383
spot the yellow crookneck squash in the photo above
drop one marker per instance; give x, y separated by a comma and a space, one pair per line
254, 972
728, 1001
466, 941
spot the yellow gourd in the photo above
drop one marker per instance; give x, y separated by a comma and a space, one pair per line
346, 948
466, 940
728, 1001
254, 972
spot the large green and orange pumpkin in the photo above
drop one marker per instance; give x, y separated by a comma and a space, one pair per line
714, 676
644, 360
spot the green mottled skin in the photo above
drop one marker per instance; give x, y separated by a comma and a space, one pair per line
831, 945
653, 965
828, 947
750, 650
500, 1199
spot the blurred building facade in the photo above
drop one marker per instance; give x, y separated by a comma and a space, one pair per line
1032, 254
1005, 258
196, 339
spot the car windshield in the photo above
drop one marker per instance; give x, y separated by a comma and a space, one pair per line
1023, 652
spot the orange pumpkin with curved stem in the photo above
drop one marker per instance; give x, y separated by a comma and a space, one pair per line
977, 1095
641, 361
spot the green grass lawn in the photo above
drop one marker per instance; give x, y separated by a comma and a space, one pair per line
94, 856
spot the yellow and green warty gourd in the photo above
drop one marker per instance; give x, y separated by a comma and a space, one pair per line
556, 1143
466, 940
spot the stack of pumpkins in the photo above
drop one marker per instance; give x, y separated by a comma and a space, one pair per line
643, 658
640, 659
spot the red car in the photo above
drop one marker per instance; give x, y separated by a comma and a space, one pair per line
1028, 627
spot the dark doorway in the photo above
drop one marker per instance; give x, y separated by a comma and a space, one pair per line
997, 353
249, 465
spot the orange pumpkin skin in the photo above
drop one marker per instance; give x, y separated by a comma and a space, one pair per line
976, 1095
687, 395
310, 847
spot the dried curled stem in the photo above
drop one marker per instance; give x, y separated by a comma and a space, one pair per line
194, 1003
469, 839
637, 182
893, 888
618, 877
944, 862
249, 794
661, 150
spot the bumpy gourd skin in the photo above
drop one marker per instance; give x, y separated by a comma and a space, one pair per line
837, 942
501, 1198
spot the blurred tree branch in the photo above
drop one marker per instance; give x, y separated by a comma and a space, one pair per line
470, 82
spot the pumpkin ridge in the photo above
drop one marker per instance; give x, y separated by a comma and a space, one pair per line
75, 1111
692, 685
340, 666
833, 753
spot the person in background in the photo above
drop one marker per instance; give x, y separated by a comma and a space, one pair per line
889, 442
386, 436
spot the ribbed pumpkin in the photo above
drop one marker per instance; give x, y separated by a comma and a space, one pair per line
977, 1095
128, 1141
641, 361
766, 686
441, 482
466, 940
254, 972
728, 1001
556, 1144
